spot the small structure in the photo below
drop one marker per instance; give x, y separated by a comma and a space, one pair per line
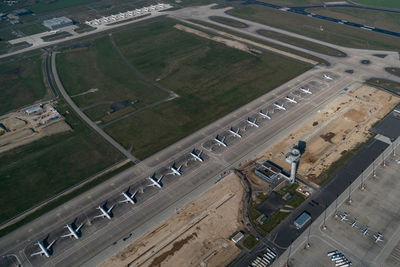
262, 219
302, 220
21, 12
57, 23
236, 238
33, 109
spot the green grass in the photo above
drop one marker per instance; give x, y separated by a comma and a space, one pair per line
250, 241
332, 32
228, 21
61, 200
33, 29
101, 67
51, 5
385, 20
302, 43
380, 3
21, 83
40, 170
56, 36
274, 221
294, 2
211, 79
321, 61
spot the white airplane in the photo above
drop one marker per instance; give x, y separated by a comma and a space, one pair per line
72, 232
155, 182
264, 115
378, 238
281, 107
104, 213
307, 91
397, 111
54, 31
252, 123
291, 100
354, 223
175, 171
327, 77
220, 141
44, 251
365, 230
343, 217
196, 156
129, 198
235, 133
398, 161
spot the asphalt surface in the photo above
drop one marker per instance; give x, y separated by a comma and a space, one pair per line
390, 125
101, 238
301, 10
376, 206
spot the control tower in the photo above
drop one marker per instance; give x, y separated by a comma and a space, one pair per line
293, 157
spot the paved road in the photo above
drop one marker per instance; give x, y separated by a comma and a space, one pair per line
153, 206
302, 11
83, 116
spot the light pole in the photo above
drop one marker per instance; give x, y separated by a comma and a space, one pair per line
308, 236
349, 200
336, 205
362, 181
326, 207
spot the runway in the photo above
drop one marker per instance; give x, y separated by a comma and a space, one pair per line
101, 237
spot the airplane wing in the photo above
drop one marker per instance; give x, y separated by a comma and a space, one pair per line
108, 211
49, 246
159, 180
79, 227
37, 253
98, 216
67, 235
123, 201
134, 194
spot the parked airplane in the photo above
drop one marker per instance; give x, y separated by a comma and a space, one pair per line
291, 100
281, 107
196, 156
264, 115
327, 77
175, 171
343, 217
72, 232
235, 133
396, 111
354, 223
104, 213
155, 182
307, 91
129, 198
365, 230
220, 141
54, 31
378, 238
252, 123
44, 251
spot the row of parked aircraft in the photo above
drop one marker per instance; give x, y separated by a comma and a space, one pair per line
365, 231
157, 181
75, 232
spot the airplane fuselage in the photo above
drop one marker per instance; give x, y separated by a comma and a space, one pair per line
175, 171
196, 157
105, 213
252, 123
291, 100
155, 182
220, 142
281, 107
128, 198
235, 134
264, 115
44, 250
72, 231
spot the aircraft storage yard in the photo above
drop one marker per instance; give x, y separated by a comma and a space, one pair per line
185, 204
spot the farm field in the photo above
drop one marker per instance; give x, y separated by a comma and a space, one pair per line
40, 170
311, 27
210, 78
21, 83
385, 20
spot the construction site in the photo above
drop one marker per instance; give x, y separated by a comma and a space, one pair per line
29, 124
339, 127
196, 235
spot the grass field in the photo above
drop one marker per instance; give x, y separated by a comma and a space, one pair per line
41, 169
302, 43
332, 33
385, 20
228, 21
100, 67
211, 79
50, 5
294, 2
380, 3
33, 29
21, 83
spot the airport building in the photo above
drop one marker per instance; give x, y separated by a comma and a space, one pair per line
57, 23
302, 220
268, 171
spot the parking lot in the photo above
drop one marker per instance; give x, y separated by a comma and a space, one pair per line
374, 208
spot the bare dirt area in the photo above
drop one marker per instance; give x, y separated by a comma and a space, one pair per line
197, 235
333, 131
23, 127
